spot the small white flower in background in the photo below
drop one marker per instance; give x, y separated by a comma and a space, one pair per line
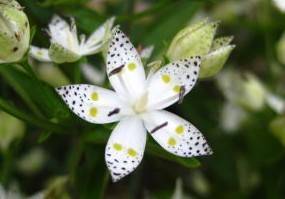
92, 74
11, 129
65, 45
32, 161
146, 53
14, 193
232, 116
14, 31
280, 4
247, 92
242, 94
51, 74
137, 104
198, 39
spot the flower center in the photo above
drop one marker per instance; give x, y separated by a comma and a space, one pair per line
141, 104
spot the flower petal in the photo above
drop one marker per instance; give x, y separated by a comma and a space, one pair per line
146, 53
92, 74
60, 54
62, 33
175, 134
124, 67
93, 104
40, 54
97, 39
171, 82
125, 147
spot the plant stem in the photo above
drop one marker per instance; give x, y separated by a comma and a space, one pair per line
77, 75
29, 70
75, 158
6, 169
7, 107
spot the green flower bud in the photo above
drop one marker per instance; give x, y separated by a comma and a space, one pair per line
198, 39
14, 31
11, 129
217, 57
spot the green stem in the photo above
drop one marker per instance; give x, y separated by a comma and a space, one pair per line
75, 158
152, 10
104, 185
29, 70
6, 169
7, 107
77, 74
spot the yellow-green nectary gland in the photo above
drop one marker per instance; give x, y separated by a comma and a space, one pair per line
95, 96
166, 78
117, 147
179, 129
176, 88
132, 66
171, 141
93, 112
132, 152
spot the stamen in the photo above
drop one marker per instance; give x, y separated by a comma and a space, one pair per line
113, 112
158, 127
181, 94
141, 105
116, 70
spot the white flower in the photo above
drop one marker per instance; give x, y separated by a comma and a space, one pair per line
92, 74
137, 104
280, 4
65, 45
14, 193
14, 31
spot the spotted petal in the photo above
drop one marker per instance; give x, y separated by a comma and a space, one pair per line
40, 54
125, 147
124, 67
93, 104
175, 134
172, 82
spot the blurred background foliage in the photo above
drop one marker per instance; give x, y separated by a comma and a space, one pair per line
234, 109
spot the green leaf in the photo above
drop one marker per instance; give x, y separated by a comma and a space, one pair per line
170, 22
48, 3
99, 135
87, 19
156, 150
7, 107
44, 136
93, 176
41, 98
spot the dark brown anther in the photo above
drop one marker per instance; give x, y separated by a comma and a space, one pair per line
181, 94
116, 70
